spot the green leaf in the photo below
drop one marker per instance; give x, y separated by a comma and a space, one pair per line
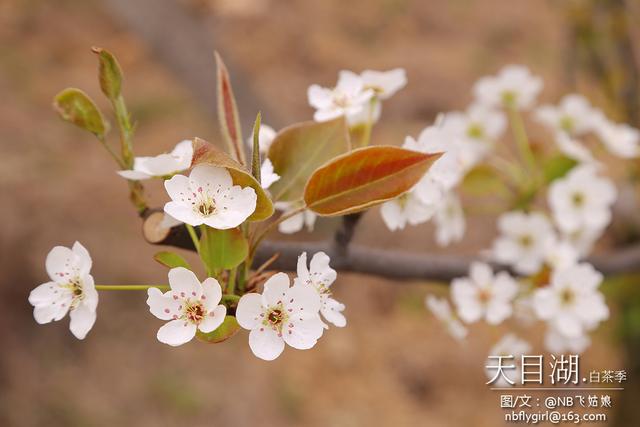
256, 163
171, 260
557, 167
204, 152
75, 106
226, 330
228, 113
298, 150
482, 180
365, 177
223, 248
109, 73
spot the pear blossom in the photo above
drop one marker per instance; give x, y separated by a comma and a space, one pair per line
209, 197
581, 199
408, 208
297, 222
71, 289
282, 314
162, 165
266, 135
557, 343
349, 98
442, 311
583, 239
320, 276
189, 306
621, 140
510, 346
267, 175
513, 87
561, 254
484, 295
474, 131
523, 241
572, 303
573, 148
574, 115
384, 84
449, 220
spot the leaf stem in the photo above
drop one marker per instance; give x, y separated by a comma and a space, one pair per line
231, 281
521, 140
194, 237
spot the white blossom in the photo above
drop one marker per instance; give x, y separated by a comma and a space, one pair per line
209, 197
267, 174
282, 314
384, 84
574, 115
349, 98
523, 241
320, 276
442, 311
573, 148
581, 199
512, 347
484, 295
71, 289
297, 222
266, 135
188, 306
572, 303
514, 86
405, 209
162, 165
561, 254
449, 220
557, 343
621, 139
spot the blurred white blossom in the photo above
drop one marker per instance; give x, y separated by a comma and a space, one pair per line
384, 84
513, 87
442, 311
484, 295
267, 175
572, 303
266, 135
574, 115
512, 347
449, 220
557, 343
621, 139
297, 222
581, 200
523, 241
348, 98
406, 209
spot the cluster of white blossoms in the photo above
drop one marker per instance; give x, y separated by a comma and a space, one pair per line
575, 117
545, 250
291, 314
356, 97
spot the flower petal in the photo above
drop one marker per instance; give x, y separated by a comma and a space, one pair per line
320, 270
265, 343
332, 311
61, 264
82, 320
213, 319
249, 310
211, 293
184, 284
176, 332
275, 288
205, 175
300, 299
163, 306
303, 333
233, 207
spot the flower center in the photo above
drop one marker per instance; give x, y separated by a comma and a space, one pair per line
475, 131
276, 317
567, 296
509, 98
526, 241
194, 312
341, 100
566, 124
484, 296
578, 199
75, 287
206, 207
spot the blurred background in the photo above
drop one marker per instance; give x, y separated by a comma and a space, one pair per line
393, 364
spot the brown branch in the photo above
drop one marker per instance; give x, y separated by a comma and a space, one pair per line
387, 263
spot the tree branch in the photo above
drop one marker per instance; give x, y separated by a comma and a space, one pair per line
387, 263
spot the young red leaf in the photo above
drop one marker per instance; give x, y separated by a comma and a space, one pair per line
300, 149
363, 178
228, 113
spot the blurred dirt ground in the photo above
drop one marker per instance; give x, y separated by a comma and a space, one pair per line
392, 365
